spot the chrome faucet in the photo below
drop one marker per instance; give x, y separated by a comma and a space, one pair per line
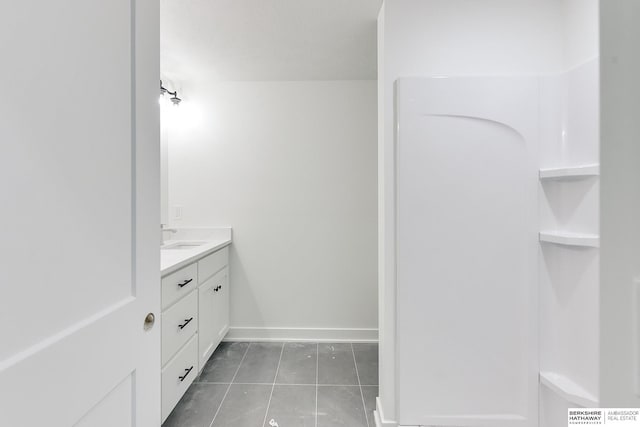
163, 229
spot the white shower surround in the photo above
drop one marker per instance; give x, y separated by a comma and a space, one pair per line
567, 89
569, 273
466, 183
468, 155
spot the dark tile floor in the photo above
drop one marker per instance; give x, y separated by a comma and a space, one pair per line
283, 385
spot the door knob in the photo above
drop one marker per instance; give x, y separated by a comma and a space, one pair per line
149, 321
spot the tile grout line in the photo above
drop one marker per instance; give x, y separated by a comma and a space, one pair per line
264, 421
289, 384
317, 363
229, 386
364, 407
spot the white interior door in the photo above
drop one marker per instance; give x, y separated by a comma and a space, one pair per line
467, 251
79, 177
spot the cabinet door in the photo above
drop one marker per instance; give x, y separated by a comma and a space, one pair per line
222, 324
209, 315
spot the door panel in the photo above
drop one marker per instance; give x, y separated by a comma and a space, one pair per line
116, 407
66, 163
80, 180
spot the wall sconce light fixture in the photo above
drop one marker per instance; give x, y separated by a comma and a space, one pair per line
174, 95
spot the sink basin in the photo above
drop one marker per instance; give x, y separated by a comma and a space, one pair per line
183, 245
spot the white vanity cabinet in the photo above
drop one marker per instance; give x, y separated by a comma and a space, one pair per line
195, 318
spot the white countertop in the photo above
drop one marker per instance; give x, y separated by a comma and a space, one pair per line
174, 259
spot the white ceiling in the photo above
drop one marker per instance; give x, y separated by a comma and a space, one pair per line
269, 39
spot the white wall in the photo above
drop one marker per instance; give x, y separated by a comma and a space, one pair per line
447, 37
164, 176
291, 166
580, 30
620, 210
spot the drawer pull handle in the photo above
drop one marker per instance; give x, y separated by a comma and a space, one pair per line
185, 283
185, 374
186, 322
217, 288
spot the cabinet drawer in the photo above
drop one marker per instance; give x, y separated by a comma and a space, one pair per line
211, 264
178, 375
178, 284
179, 323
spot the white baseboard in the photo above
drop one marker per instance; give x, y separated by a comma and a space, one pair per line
379, 416
302, 334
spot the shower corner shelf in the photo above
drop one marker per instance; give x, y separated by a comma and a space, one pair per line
572, 172
568, 389
570, 239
